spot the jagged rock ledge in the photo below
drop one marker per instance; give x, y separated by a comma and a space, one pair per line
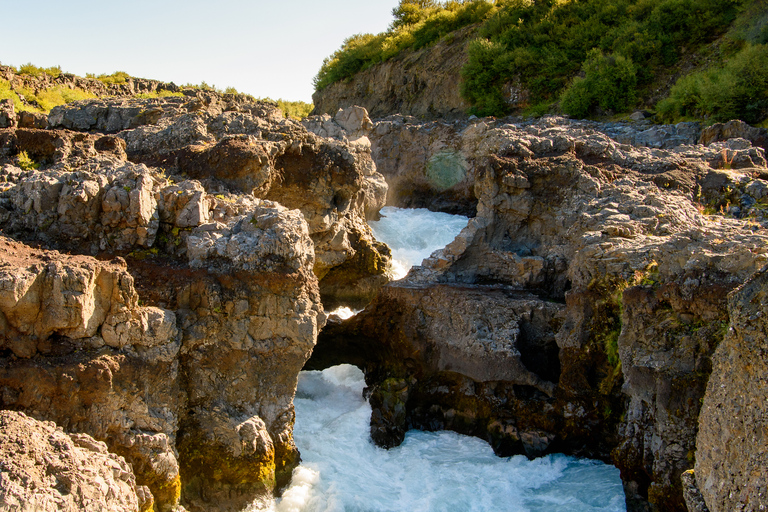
580, 309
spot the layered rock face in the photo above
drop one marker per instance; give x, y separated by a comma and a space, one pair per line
421, 83
578, 311
236, 146
175, 329
433, 164
731, 456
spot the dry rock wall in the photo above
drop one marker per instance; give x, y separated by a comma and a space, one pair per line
421, 83
596, 274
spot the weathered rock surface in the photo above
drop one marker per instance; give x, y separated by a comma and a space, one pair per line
194, 386
731, 454
432, 165
45, 469
239, 147
623, 258
421, 83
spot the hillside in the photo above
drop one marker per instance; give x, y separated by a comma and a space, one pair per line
37, 90
679, 59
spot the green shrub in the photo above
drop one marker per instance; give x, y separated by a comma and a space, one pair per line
418, 23
545, 44
116, 78
736, 90
26, 163
293, 109
32, 70
609, 82
6, 93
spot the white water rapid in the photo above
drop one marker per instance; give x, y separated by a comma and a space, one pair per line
342, 471
414, 234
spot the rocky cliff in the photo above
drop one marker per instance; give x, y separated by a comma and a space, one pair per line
157, 297
731, 455
422, 83
580, 309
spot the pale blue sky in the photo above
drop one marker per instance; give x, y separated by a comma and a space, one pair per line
264, 48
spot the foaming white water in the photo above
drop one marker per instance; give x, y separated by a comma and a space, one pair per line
415, 233
344, 312
342, 471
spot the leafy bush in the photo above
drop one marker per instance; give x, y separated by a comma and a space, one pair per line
293, 109
6, 93
116, 78
26, 163
544, 44
32, 70
609, 82
736, 90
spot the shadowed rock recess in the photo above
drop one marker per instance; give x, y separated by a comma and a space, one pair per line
161, 273
583, 308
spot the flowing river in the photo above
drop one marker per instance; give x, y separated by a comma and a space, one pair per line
342, 471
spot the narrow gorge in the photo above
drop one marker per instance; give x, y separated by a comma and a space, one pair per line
168, 268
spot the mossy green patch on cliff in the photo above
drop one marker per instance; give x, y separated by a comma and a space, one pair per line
209, 470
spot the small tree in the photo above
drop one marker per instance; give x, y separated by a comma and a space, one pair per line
609, 82
410, 12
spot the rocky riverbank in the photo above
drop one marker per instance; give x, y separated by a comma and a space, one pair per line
580, 310
156, 295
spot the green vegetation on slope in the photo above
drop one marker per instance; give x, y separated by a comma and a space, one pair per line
586, 57
417, 24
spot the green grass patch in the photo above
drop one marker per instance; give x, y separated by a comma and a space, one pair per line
292, 109
32, 70
6, 93
26, 163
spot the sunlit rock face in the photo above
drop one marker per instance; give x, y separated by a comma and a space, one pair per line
596, 275
167, 316
730, 449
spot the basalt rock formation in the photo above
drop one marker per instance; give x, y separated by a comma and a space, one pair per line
432, 164
580, 309
128, 87
155, 296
